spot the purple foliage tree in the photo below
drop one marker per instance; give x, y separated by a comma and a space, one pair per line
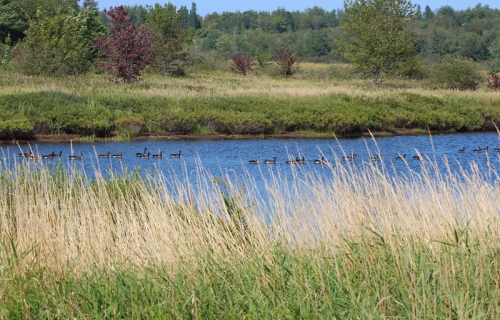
242, 65
128, 49
494, 81
287, 61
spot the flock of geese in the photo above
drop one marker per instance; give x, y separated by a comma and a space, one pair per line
352, 157
143, 155
161, 155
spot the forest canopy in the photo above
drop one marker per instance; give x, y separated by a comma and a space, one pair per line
472, 34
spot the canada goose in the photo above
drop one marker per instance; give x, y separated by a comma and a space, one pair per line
268, 161
119, 155
138, 154
321, 161
297, 161
401, 158
175, 155
481, 149
300, 161
159, 156
350, 158
33, 157
52, 155
26, 155
419, 157
461, 150
105, 155
145, 156
76, 157
256, 161
376, 158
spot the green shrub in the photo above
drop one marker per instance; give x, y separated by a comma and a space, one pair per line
456, 74
19, 128
128, 126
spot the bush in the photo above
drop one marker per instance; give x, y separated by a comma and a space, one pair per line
287, 62
494, 81
456, 74
17, 128
242, 65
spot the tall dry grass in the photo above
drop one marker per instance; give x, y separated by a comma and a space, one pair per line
356, 242
60, 218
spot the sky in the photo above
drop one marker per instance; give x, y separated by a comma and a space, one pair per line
204, 7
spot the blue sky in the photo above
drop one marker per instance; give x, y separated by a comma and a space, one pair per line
209, 6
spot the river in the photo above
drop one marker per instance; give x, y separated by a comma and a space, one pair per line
222, 157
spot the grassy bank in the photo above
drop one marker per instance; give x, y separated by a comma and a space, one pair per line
362, 245
228, 104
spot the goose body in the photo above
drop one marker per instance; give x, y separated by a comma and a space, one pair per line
376, 158
34, 157
159, 156
350, 158
401, 158
26, 155
419, 157
176, 155
119, 155
73, 157
106, 155
52, 155
481, 149
138, 154
497, 149
256, 161
144, 156
268, 161
297, 161
321, 161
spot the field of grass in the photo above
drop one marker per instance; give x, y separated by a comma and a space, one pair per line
317, 99
362, 245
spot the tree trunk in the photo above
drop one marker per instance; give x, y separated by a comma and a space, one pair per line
375, 78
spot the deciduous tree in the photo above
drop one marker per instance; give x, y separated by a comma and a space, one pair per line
376, 39
242, 65
287, 62
170, 38
128, 49
60, 44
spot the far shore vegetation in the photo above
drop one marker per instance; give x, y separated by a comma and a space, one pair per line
315, 100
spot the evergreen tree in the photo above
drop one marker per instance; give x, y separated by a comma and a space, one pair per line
184, 21
194, 21
13, 19
91, 4
428, 14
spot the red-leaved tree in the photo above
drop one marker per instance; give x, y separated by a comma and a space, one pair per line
128, 49
287, 61
494, 82
242, 65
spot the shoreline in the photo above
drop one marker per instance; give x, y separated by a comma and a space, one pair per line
65, 138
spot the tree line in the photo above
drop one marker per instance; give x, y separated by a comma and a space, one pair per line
58, 37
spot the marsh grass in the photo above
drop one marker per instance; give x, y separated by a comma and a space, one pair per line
358, 242
220, 102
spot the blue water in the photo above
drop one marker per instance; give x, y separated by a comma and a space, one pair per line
232, 156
